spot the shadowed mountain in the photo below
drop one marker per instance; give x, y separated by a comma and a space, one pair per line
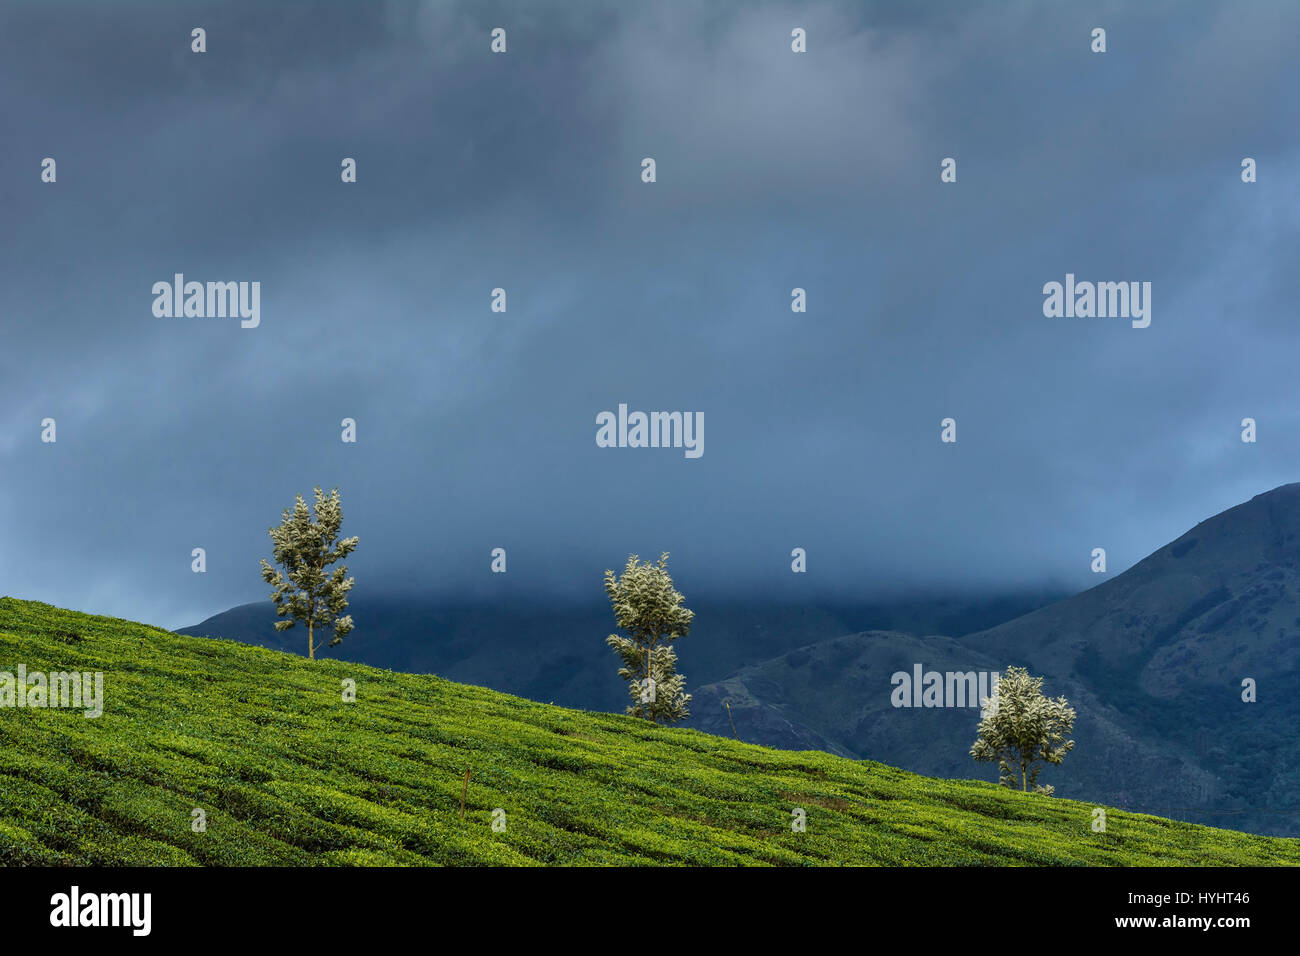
1153, 661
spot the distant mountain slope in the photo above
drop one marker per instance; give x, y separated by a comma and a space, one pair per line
557, 652
1220, 603
835, 696
288, 773
1153, 661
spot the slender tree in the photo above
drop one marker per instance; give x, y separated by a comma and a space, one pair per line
649, 608
305, 592
1020, 728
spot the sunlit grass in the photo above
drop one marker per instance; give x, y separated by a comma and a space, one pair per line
289, 774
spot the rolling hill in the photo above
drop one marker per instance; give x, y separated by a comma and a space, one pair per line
288, 773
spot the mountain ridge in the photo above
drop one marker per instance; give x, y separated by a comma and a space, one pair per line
1153, 660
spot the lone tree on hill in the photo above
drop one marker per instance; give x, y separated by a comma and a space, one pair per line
1020, 728
305, 592
649, 607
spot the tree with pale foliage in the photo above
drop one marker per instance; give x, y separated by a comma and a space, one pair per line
649, 608
305, 592
1020, 729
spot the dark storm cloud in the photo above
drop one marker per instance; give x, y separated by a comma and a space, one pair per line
522, 171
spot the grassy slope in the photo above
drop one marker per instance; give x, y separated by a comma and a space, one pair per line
289, 774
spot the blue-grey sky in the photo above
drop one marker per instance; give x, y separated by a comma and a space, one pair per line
522, 170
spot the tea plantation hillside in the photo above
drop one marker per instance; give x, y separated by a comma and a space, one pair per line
288, 773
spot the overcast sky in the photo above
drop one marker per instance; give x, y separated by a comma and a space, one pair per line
522, 170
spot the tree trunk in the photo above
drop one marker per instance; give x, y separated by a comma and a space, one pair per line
311, 647
649, 709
